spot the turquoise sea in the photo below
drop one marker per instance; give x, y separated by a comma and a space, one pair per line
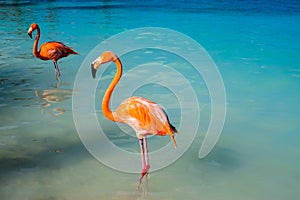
254, 44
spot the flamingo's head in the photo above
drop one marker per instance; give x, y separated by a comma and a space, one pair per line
31, 29
105, 57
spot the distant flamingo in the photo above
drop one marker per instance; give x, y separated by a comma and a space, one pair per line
143, 115
49, 50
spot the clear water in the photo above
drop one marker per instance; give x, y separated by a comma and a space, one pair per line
256, 46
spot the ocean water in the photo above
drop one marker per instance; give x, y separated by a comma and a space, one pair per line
256, 47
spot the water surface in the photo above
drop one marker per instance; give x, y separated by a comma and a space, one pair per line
255, 45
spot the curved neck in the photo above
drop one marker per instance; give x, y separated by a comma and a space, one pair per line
35, 51
106, 99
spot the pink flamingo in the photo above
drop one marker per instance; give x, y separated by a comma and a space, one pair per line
49, 50
143, 115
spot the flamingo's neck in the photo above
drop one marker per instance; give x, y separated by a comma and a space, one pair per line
106, 99
35, 51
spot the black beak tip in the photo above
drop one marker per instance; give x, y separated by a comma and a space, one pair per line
93, 70
30, 35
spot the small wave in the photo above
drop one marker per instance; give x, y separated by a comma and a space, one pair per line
21, 124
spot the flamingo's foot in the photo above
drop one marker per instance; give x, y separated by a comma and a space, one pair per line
145, 170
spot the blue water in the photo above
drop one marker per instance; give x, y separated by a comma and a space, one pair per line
255, 45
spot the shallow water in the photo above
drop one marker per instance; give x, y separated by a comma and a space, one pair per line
256, 51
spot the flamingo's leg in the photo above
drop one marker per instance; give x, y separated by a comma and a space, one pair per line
145, 159
147, 166
56, 70
143, 162
142, 153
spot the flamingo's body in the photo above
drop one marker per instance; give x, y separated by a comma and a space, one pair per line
143, 115
49, 50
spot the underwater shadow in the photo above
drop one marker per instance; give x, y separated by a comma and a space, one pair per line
223, 158
44, 159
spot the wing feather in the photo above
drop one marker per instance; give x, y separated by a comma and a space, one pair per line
55, 50
144, 115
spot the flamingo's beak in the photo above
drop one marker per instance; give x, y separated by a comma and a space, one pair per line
95, 65
30, 32
93, 71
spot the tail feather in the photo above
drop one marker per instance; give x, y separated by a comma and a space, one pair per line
71, 51
173, 140
174, 130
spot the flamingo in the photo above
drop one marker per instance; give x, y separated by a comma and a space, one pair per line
49, 50
143, 115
